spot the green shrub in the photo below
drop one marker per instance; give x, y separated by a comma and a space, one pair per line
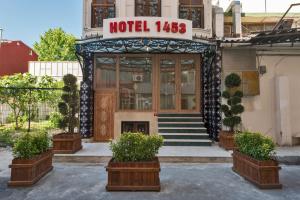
10, 118
6, 138
55, 118
136, 147
233, 108
256, 145
29, 145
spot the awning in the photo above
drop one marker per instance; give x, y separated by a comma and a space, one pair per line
141, 45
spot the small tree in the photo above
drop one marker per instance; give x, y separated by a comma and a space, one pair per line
56, 45
233, 108
69, 106
13, 94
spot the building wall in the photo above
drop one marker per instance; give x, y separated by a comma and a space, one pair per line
126, 8
14, 57
276, 111
55, 69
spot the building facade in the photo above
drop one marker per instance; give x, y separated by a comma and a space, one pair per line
147, 64
14, 57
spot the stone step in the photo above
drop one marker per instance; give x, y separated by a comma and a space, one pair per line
187, 142
180, 119
179, 115
182, 130
181, 125
184, 136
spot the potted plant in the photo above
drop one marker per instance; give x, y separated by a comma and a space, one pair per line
134, 166
231, 110
253, 159
32, 159
68, 142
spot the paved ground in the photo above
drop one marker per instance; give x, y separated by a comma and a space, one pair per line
179, 181
102, 149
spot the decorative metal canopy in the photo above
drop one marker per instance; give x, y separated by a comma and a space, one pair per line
211, 72
140, 45
277, 36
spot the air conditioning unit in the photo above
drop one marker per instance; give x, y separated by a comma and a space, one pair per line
138, 78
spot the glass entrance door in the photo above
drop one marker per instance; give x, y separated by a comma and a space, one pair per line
167, 96
179, 83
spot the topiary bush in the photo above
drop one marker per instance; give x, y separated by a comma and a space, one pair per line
29, 145
136, 147
69, 106
233, 107
255, 145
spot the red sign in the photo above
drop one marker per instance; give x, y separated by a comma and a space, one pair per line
147, 27
142, 26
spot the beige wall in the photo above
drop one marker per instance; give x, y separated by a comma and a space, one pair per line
276, 111
125, 8
134, 116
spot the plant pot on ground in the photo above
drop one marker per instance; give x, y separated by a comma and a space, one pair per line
32, 159
68, 142
254, 161
231, 110
134, 166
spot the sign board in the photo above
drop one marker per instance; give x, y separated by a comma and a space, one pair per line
147, 27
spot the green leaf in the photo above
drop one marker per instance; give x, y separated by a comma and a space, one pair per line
232, 80
56, 45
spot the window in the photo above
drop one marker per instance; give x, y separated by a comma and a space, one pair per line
192, 10
102, 9
135, 127
105, 72
148, 8
135, 83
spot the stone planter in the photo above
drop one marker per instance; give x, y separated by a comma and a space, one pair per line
26, 172
263, 174
66, 143
226, 140
133, 176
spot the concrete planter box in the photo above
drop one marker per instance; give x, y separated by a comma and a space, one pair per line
26, 172
226, 140
133, 176
66, 143
263, 174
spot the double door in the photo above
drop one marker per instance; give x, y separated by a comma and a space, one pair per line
179, 83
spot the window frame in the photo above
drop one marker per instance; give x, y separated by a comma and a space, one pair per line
148, 15
189, 7
119, 79
102, 5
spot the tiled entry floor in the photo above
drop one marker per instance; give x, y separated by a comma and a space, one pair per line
100, 152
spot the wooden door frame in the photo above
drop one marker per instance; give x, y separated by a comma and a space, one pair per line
197, 82
156, 58
178, 58
159, 58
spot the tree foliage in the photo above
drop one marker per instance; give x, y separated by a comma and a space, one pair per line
233, 108
69, 106
13, 94
56, 45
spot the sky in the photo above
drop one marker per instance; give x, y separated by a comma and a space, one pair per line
26, 20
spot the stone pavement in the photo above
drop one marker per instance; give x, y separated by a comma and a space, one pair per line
179, 181
100, 153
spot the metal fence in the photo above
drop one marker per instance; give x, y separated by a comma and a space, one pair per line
36, 113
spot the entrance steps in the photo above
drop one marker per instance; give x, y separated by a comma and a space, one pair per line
186, 129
